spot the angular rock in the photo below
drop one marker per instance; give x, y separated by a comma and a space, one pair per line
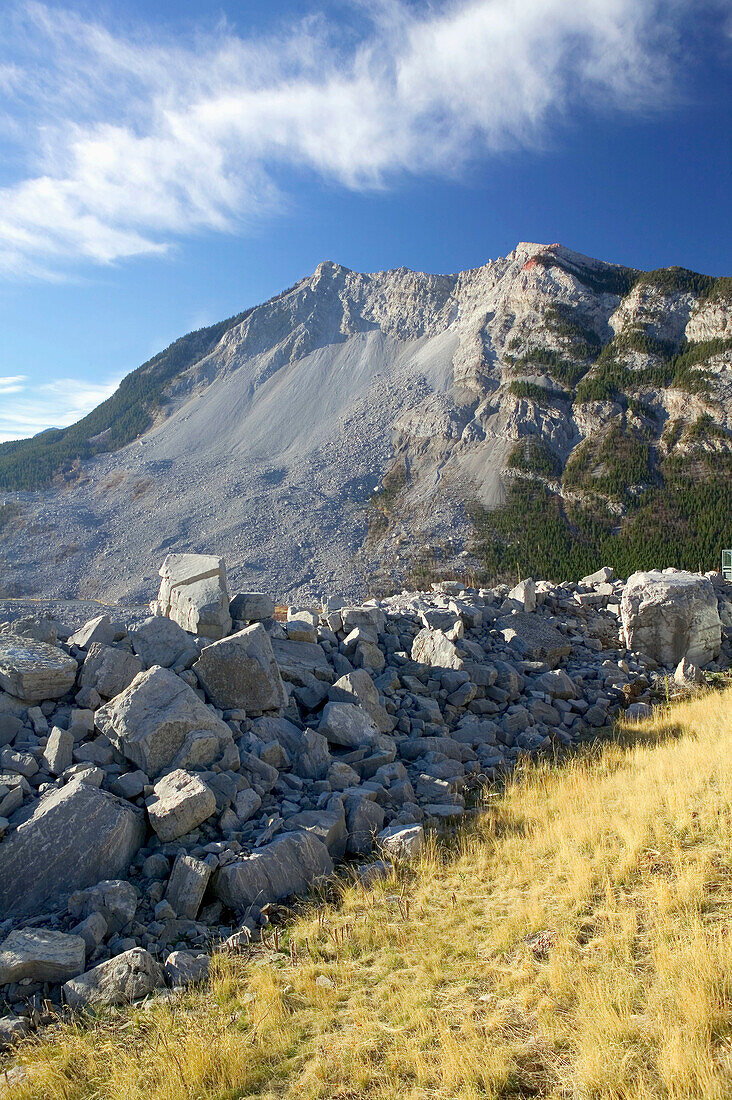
525, 594
193, 592
59, 750
152, 718
557, 684
77, 835
113, 899
187, 967
41, 954
347, 725
122, 980
34, 671
159, 641
99, 630
240, 672
402, 841
288, 865
364, 819
359, 687
327, 825
602, 576
672, 615
247, 803
108, 670
180, 802
251, 607
187, 885
686, 673
433, 647
537, 638
299, 660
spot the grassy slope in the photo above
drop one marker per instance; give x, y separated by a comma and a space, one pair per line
621, 864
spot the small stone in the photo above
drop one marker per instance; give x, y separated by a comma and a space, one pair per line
181, 801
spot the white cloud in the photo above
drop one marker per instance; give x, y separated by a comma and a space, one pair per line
57, 403
131, 144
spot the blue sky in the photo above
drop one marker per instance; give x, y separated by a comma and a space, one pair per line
164, 165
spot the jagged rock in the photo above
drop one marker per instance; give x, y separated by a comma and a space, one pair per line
187, 885
59, 751
288, 865
34, 671
122, 980
153, 720
41, 954
92, 930
364, 820
557, 684
536, 638
297, 661
187, 967
524, 593
240, 672
113, 899
302, 624
180, 802
686, 673
193, 592
77, 835
433, 647
12, 1030
671, 615
247, 804
402, 841
99, 630
327, 825
108, 671
161, 641
359, 686
251, 607
602, 576
347, 725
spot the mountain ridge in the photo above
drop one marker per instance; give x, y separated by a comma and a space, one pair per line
357, 419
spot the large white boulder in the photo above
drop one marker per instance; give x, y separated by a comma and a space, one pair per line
240, 672
77, 836
671, 615
433, 647
193, 592
159, 721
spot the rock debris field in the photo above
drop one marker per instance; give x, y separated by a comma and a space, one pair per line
165, 782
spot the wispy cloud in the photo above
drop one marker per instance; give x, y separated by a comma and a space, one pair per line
130, 143
58, 403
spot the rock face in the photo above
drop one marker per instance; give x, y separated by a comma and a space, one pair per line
77, 836
240, 672
33, 671
286, 866
123, 980
671, 616
194, 594
154, 721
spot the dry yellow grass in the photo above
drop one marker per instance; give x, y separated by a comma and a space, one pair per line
574, 943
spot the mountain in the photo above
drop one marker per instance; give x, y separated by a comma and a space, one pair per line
544, 413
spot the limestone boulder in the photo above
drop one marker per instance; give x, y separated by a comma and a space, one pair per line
108, 670
288, 865
77, 835
240, 672
671, 615
99, 630
42, 955
251, 607
180, 802
347, 725
193, 592
187, 967
113, 899
34, 671
402, 841
122, 980
433, 647
159, 720
159, 641
187, 885
534, 638
358, 687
